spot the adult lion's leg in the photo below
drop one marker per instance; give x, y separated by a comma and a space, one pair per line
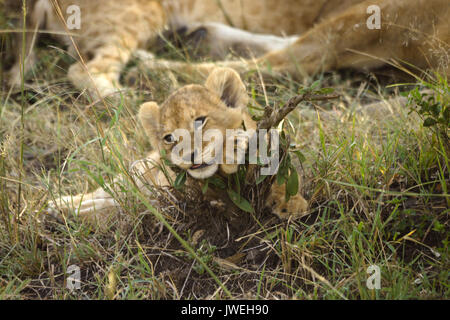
101, 74
217, 40
414, 31
108, 41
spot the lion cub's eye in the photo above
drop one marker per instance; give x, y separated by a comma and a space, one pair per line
200, 122
169, 139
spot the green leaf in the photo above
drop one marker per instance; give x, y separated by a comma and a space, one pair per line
240, 202
435, 109
205, 186
237, 182
429, 122
180, 180
287, 195
303, 91
217, 182
283, 172
360, 226
446, 113
280, 178
292, 183
300, 156
326, 91
314, 85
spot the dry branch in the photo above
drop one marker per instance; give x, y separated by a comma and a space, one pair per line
272, 117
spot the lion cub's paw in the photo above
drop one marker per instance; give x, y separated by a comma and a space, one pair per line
143, 55
296, 207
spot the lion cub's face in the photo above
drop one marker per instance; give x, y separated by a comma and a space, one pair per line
195, 109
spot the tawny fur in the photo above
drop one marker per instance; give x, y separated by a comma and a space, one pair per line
222, 101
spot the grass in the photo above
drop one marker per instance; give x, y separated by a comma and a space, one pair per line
376, 178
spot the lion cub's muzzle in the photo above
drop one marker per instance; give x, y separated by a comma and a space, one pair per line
199, 166
214, 155
203, 171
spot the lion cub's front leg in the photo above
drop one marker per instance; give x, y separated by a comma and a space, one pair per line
296, 207
98, 207
94, 207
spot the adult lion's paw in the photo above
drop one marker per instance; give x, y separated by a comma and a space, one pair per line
100, 84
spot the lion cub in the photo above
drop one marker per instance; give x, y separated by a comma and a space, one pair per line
217, 106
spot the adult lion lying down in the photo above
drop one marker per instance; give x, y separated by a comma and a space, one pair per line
300, 37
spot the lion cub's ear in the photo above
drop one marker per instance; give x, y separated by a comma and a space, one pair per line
228, 85
149, 117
